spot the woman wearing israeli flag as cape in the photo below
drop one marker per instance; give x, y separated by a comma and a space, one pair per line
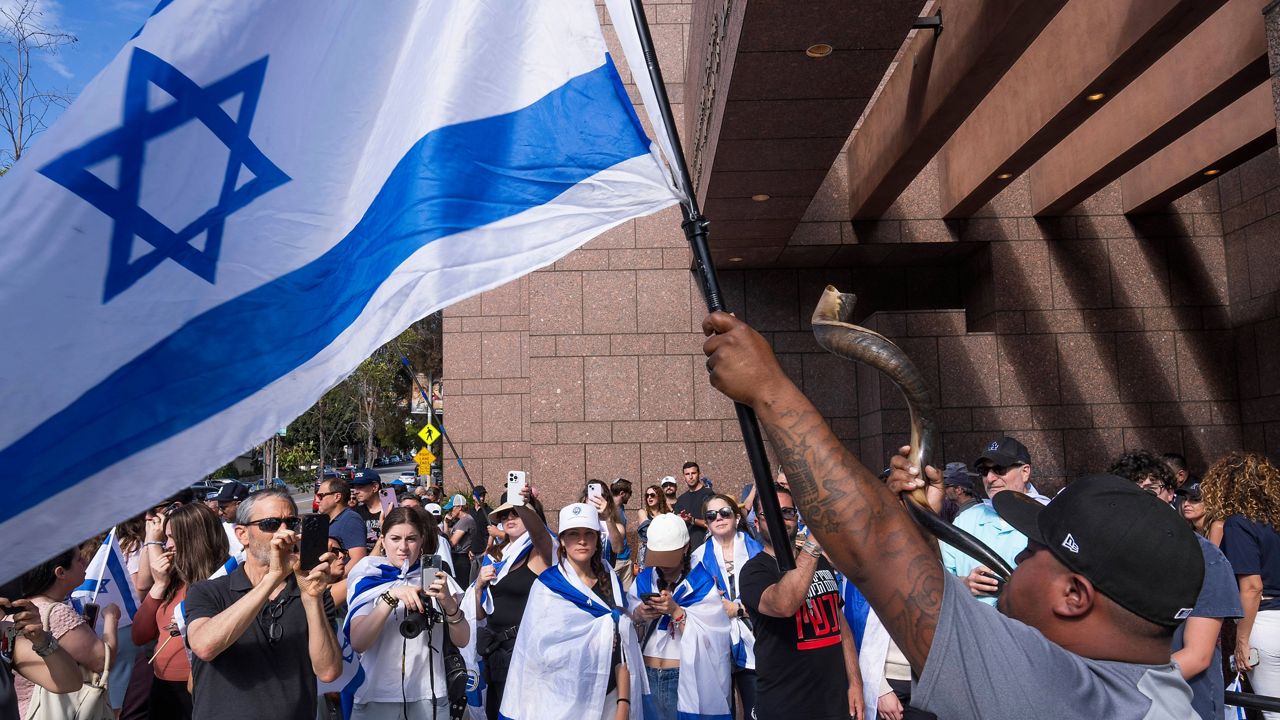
402, 675
579, 657
726, 551
685, 639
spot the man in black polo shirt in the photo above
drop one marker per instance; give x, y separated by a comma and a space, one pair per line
262, 635
689, 506
806, 662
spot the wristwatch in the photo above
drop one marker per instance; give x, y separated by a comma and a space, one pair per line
390, 600
48, 648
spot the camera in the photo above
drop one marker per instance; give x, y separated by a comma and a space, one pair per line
415, 623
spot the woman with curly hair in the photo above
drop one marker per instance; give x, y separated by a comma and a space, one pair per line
1243, 490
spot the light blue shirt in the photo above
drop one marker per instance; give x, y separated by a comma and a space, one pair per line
981, 521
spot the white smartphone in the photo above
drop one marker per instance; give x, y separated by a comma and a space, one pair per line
515, 487
594, 490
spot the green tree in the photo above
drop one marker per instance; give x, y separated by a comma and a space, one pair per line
373, 388
331, 422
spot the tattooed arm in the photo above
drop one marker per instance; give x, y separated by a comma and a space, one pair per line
863, 527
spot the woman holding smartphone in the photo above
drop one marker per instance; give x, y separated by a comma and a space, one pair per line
502, 588
597, 495
685, 637
581, 659
403, 677
195, 546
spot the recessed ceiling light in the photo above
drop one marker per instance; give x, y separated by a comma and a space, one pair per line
1004, 176
1212, 171
818, 51
760, 198
735, 259
1095, 97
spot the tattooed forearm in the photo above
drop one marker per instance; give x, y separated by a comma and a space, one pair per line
861, 525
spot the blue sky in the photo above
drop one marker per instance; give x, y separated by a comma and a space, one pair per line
102, 27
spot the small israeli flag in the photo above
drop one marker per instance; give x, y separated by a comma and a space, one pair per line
107, 581
256, 194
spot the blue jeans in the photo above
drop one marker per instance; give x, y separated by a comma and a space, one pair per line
664, 688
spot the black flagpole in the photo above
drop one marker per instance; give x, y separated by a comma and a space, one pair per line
695, 230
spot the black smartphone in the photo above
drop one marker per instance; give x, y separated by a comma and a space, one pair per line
646, 597
91, 614
315, 539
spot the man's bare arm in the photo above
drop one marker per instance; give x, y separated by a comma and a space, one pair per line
862, 526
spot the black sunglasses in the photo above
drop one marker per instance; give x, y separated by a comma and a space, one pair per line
998, 469
723, 512
790, 513
504, 516
273, 524
651, 494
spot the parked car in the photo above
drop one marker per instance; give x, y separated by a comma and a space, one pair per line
409, 477
208, 488
276, 483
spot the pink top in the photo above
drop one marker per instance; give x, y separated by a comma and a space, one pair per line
62, 619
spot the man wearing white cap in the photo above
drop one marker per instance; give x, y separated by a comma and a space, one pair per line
578, 660
461, 528
669, 488
686, 638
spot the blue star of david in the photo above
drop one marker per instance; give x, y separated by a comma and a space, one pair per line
128, 143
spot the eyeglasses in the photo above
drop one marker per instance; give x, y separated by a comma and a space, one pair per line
340, 551
998, 469
272, 614
323, 495
651, 494
272, 524
723, 512
790, 513
504, 516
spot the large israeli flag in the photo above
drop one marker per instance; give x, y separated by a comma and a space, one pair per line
252, 197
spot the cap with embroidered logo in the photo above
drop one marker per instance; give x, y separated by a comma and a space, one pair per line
579, 515
1005, 452
1134, 548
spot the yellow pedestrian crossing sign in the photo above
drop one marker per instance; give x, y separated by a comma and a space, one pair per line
429, 434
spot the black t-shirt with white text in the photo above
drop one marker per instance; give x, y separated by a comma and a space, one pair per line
799, 660
372, 524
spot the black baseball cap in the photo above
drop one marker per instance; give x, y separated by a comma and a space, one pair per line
365, 476
1005, 452
957, 474
1190, 490
231, 492
1134, 548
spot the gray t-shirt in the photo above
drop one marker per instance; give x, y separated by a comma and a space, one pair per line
467, 525
1219, 598
985, 665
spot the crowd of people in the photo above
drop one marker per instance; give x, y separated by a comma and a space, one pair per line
1129, 589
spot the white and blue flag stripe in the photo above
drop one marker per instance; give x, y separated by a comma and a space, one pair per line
253, 196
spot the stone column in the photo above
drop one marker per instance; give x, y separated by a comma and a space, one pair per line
1271, 15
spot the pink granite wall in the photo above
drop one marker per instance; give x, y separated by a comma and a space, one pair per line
1083, 336
1250, 197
